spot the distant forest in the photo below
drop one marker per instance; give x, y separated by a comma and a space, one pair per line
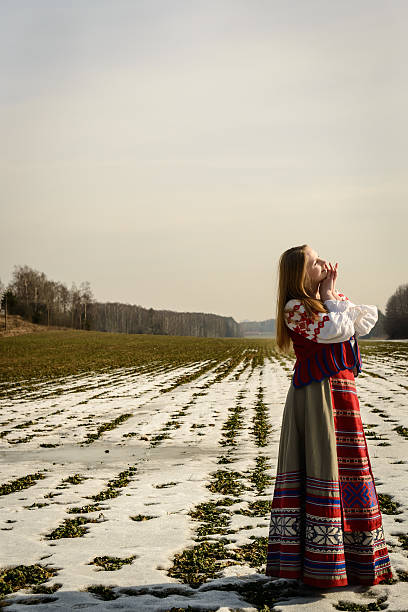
37, 299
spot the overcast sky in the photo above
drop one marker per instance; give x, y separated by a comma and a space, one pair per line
169, 151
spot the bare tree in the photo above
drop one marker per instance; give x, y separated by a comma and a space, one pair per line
86, 297
75, 305
50, 294
396, 313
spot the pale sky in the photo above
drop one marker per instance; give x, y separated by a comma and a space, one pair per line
169, 151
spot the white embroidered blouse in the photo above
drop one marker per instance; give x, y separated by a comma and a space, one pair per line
343, 320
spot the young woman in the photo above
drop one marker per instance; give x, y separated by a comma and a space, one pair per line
326, 525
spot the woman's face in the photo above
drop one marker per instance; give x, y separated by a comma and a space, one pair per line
316, 268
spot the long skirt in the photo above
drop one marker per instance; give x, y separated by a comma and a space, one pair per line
325, 525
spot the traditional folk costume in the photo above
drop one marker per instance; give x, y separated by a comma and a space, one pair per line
326, 525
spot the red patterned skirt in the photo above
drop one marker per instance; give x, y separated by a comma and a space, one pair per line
325, 525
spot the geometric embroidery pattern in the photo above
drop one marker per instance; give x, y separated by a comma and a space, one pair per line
298, 321
363, 539
326, 535
284, 526
357, 494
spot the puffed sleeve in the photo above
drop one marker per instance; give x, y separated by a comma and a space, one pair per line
343, 320
364, 316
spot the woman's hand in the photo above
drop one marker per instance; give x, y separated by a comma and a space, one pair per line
334, 270
327, 286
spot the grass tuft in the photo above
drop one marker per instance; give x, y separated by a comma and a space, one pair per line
110, 564
13, 579
20, 483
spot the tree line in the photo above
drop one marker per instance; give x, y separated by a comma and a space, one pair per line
34, 297
396, 314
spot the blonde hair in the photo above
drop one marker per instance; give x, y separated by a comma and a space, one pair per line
293, 284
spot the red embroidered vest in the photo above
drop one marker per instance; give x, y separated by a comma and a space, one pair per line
315, 361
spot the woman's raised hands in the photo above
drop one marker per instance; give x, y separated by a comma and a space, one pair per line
327, 288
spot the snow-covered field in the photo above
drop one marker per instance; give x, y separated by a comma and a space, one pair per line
158, 453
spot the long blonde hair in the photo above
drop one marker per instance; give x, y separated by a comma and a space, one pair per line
293, 284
